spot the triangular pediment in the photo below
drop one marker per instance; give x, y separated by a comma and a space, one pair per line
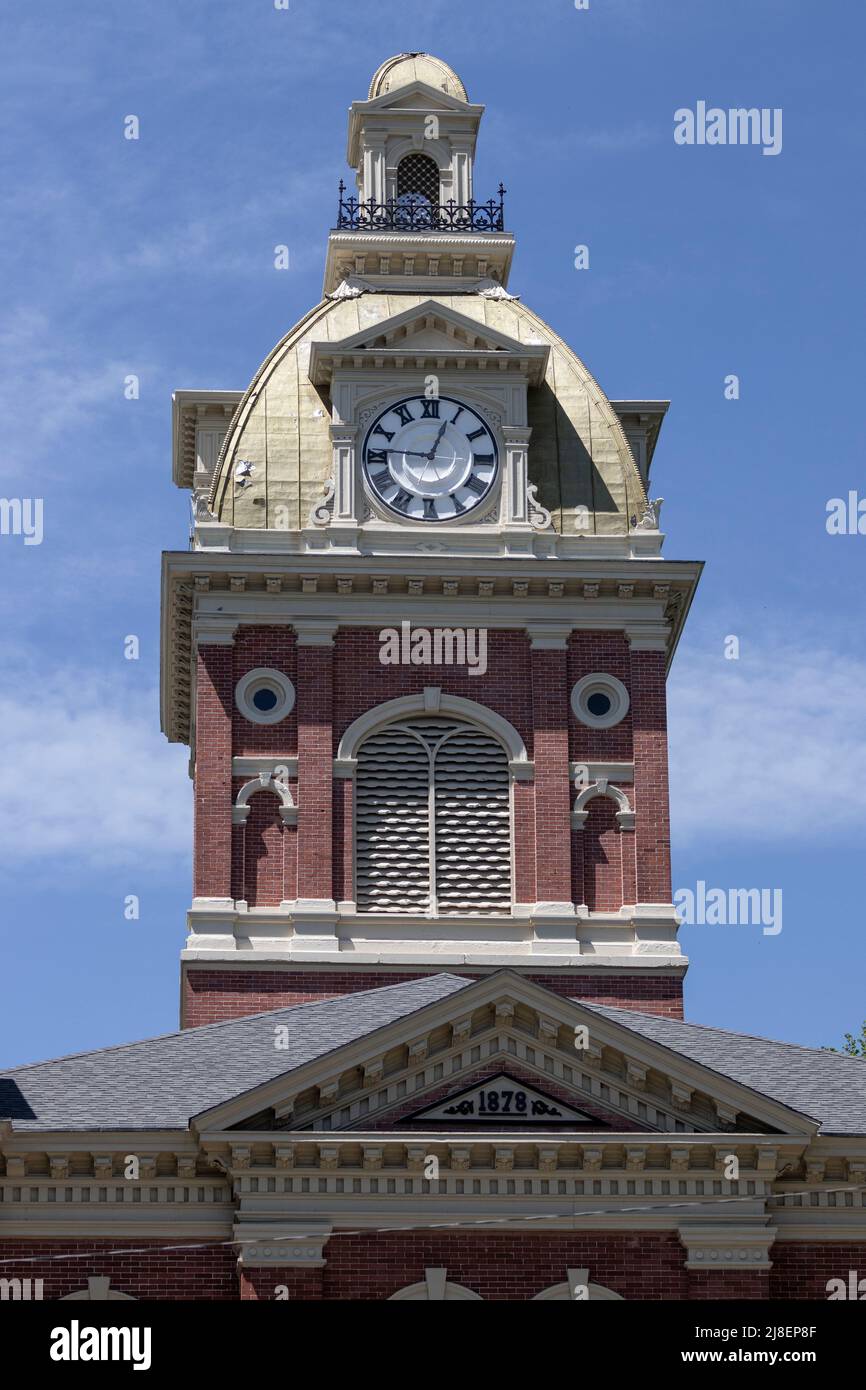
609, 1077
427, 328
416, 96
501, 1101
431, 317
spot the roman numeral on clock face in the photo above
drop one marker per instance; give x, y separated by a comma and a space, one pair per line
402, 500
483, 458
405, 414
377, 456
430, 409
381, 479
430, 512
477, 434
380, 430
475, 485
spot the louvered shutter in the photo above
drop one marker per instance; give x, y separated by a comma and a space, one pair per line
473, 824
432, 820
392, 823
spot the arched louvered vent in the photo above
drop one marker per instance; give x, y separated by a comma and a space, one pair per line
418, 176
433, 820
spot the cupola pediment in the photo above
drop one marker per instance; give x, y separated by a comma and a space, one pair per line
416, 96
429, 327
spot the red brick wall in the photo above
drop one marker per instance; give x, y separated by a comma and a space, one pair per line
213, 775
509, 1266
274, 647
303, 1284
803, 1271
263, 851
315, 772
607, 652
602, 856
652, 821
505, 1265
141, 1269
210, 994
530, 688
729, 1283
550, 710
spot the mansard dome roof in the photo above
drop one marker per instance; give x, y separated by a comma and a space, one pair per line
404, 68
579, 457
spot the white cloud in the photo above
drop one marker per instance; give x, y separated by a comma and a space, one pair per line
770, 748
47, 388
86, 772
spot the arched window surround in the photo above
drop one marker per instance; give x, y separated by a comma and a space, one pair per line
434, 702
435, 1288
577, 1279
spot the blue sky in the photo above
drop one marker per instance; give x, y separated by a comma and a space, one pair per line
155, 257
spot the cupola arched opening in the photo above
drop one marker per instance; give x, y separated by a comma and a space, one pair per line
418, 179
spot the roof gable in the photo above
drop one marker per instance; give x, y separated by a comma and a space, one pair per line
592, 1058
306, 1066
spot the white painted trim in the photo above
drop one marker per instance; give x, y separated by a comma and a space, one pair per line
264, 783
98, 1291
624, 816
599, 682
254, 767
258, 676
435, 1288
407, 706
577, 1278
611, 772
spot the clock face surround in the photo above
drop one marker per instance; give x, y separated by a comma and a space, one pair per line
430, 459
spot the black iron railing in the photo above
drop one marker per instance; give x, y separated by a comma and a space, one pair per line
411, 213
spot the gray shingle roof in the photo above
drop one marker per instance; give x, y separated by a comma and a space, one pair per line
160, 1083
827, 1086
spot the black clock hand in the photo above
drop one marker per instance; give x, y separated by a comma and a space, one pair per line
438, 441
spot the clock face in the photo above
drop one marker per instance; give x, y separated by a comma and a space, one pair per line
430, 460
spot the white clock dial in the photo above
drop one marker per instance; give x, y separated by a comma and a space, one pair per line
430, 460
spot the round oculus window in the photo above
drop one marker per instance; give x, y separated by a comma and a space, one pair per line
599, 701
264, 696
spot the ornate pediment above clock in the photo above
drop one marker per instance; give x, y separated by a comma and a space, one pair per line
502, 1102
429, 335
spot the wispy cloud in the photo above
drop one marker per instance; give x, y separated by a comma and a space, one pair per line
87, 774
770, 748
48, 386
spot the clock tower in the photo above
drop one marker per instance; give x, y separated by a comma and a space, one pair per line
419, 642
